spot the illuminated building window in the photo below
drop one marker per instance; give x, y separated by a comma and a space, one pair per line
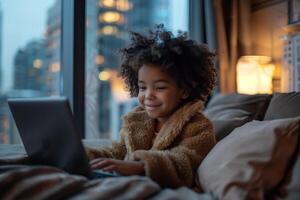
54, 67
123, 5
108, 30
99, 59
37, 63
104, 76
107, 3
111, 17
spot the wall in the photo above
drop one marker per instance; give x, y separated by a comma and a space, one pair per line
267, 21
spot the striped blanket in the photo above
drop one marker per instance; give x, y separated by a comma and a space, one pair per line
21, 180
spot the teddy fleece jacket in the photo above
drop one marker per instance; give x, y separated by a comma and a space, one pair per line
172, 155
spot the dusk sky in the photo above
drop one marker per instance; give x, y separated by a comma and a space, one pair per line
22, 21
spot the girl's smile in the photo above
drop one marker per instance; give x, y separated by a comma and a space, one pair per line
151, 107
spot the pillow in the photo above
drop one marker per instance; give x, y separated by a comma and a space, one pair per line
229, 111
251, 161
223, 127
246, 102
283, 105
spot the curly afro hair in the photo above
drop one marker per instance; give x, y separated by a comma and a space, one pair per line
190, 64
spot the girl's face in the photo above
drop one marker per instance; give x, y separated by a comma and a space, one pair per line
158, 92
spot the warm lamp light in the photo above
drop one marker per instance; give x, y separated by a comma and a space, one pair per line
254, 75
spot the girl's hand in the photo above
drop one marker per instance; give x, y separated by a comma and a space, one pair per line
122, 167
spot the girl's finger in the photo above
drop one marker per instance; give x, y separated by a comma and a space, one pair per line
101, 164
96, 160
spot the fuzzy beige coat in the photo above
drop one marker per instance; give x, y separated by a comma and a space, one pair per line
171, 156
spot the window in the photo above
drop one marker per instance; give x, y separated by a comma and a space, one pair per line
107, 26
30, 33
31, 58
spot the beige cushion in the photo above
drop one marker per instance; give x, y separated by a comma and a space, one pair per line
251, 161
233, 110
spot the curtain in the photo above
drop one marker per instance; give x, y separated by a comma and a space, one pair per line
202, 25
232, 18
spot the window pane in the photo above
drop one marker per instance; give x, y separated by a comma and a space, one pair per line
107, 26
30, 55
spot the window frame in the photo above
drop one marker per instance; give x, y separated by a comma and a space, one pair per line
73, 58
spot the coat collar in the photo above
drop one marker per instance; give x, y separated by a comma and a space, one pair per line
139, 119
173, 126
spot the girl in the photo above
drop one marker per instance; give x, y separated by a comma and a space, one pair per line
167, 136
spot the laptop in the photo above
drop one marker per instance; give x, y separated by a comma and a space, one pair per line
46, 127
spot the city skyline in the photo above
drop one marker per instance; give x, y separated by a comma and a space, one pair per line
22, 22
35, 11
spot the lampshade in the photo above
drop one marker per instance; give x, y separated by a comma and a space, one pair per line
254, 75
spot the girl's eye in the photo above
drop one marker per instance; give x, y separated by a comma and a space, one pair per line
142, 88
161, 88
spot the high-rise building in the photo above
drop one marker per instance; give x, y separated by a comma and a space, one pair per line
111, 23
53, 40
30, 67
146, 14
115, 19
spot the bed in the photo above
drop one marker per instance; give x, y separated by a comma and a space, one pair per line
21, 180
